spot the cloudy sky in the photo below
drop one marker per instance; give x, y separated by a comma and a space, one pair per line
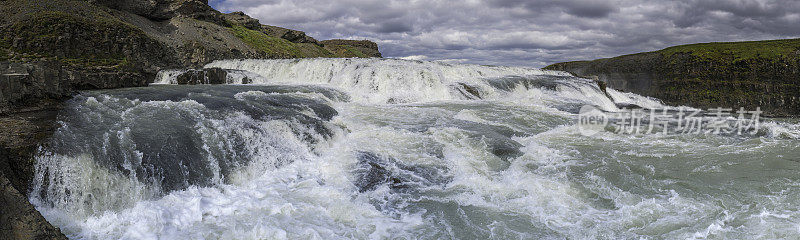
526, 32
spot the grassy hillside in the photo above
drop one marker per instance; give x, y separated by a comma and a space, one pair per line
752, 74
278, 47
738, 51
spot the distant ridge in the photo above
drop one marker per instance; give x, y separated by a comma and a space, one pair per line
750, 74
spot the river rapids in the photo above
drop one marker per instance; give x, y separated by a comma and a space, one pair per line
398, 149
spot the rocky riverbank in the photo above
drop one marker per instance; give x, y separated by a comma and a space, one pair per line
763, 74
50, 49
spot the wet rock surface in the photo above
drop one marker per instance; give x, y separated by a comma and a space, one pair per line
373, 170
20, 134
203, 76
19, 219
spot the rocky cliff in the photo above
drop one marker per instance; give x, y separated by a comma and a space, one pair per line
51, 48
763, 74
121, 43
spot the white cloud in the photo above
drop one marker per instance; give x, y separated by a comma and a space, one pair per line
527, 32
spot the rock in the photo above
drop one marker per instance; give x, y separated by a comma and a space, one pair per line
19, 219
20, 135
239, 18
758, 74
152, 9
203, 76
352, 48
373, 171
22, 84
288, 34
197, 9
160, 10
469, 91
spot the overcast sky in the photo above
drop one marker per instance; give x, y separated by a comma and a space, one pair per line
526, 33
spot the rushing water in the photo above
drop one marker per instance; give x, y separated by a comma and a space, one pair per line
381, 148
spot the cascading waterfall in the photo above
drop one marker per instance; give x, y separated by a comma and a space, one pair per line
385, 148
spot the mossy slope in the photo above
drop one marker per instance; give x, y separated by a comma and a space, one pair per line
752, 74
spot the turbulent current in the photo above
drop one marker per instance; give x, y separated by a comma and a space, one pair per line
395, 149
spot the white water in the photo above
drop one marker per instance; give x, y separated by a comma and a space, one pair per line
511, 165
401, 81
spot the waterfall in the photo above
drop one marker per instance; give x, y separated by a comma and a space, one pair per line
387, 148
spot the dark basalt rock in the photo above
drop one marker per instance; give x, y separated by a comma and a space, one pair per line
20, 135
19, 219
203, 76
373, 171
160, 10
288, 34
759, 74
627, 106
242, 19
469, 91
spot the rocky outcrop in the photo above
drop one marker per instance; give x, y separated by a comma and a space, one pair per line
288, 34
761, 74
123, 43
20, 135
19, 219
160, 10
239, 18
352, 48
203, 76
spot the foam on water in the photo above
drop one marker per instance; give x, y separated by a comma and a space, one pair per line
381, 148
405, 81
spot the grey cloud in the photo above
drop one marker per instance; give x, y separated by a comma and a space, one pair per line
527, 32
394, 27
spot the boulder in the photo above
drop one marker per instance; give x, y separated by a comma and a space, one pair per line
203, 76
160, 10
288, 34
22, 83
239, 18
19, 219
151, 9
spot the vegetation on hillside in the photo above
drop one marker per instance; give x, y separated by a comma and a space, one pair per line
737, 51
277, 47
752, 74
44, 37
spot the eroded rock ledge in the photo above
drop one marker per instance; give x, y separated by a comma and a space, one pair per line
763, 74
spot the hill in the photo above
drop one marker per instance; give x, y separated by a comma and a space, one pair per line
751, 74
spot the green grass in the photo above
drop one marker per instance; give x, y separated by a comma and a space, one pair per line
346, 51
354, 52
47, 27
271, 45
48, 24
770, 49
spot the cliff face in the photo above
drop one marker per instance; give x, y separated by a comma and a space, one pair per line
122, 43
352, 48
763, 74
51, 48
